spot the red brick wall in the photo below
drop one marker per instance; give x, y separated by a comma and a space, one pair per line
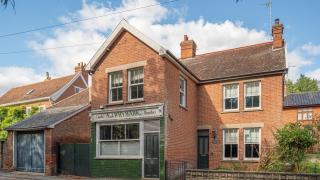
211, 114
71, 90
181, 141
74, 130
128, 49
291, 114
8, 152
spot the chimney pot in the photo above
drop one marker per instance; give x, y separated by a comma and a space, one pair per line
185, 37
47, 77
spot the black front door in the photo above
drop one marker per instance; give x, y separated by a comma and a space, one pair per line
203, 148
151, 155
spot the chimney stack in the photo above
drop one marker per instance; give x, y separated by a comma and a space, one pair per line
188, 48
277, 33
79, 68
47, 77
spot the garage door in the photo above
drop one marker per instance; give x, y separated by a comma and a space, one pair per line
30, 151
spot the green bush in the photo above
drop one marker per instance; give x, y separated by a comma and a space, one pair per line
293, 141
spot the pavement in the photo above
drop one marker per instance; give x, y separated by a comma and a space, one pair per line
5, 175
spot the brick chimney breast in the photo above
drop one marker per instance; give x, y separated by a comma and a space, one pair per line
188, 48
79, 68
277, 33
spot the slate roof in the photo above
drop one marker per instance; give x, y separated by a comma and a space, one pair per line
38, 90
302, 99
233, 63
58, 112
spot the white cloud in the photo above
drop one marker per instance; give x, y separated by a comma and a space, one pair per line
311, 49
296, 61
15, 76
315, 74
209, 36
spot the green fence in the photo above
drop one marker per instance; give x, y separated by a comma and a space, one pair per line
74, 159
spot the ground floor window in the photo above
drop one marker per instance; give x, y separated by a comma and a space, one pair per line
230, 143
252, 143
119, 140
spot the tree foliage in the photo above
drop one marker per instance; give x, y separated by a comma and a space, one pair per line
303, 84
293, 141
6, 2
12, 115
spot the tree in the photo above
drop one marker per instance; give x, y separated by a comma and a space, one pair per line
13, 115
303, 84
6, 2
293, 141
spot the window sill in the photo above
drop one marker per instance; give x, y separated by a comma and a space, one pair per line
115, 103
230, 160
251, 160
183, 107
115, 157
231, 111
253, 109
134, 101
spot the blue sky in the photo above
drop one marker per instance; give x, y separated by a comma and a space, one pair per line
213, 24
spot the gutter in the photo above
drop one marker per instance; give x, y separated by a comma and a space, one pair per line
25, 101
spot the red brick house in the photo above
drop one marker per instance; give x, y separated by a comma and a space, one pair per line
46, 93
209, 110
32, 143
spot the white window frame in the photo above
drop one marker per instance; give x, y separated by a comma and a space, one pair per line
111, 88
42, 106
141, 141
129, 84
28, 110
223, 143
184, 92
302, 111
244, 144
224, 97
75, 89
244, 95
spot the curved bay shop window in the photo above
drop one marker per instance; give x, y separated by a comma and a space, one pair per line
115, 86
119, 140
230, 97
136, 76
230, 144
252, 95
252, 143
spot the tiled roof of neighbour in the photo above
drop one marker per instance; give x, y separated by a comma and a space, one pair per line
248, 60
58, 112
81, 98
302, 99
46, 118
35, 91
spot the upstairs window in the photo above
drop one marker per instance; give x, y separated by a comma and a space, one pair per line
305, 114
77, 89
136, 80
182, 96
230, 143
115, 86
252, 143
230, 96
252, 95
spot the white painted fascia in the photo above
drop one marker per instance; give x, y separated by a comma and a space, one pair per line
71, 115
57, 94
122, 26
25, 101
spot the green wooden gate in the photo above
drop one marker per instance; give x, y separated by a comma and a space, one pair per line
74, 159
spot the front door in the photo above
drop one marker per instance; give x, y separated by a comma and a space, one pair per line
151, 155
30, 151
203, 148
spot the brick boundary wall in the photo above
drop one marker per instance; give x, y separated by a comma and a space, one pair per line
228, 175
